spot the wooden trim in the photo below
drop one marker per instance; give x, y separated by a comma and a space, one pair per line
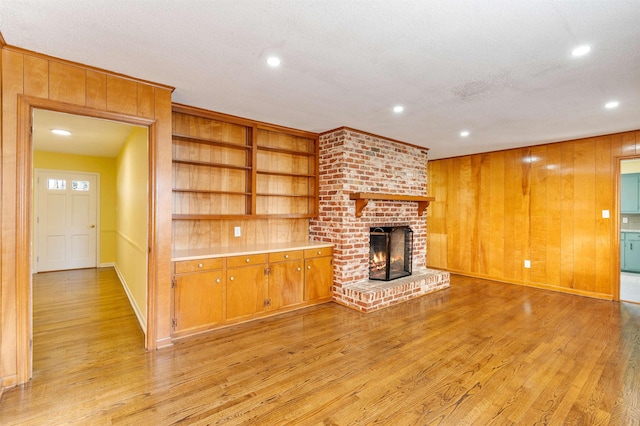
214, 115
351, 129
23, 51
24, 172
362, 199
212, 142
3, 44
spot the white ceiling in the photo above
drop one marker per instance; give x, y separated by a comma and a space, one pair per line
501, 69
89, 136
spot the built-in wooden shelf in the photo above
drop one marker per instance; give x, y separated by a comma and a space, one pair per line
362, 199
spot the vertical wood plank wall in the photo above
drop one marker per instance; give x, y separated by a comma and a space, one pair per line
542, 203
68, 86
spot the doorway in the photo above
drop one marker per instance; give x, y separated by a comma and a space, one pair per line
91, 200
630, 230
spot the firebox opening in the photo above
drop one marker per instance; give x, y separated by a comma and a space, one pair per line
390, 252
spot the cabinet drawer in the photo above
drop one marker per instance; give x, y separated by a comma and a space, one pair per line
253, 259
283, 256
318, 252
197, 265
632, 236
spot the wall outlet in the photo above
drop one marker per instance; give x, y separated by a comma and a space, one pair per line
527, 264
237, 232
625, 220
605, 214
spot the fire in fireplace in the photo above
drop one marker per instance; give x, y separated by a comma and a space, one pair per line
390, 251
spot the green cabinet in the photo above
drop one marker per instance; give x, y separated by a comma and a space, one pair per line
630, 193
630, 251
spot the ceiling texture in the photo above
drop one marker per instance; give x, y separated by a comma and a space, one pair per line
500, 69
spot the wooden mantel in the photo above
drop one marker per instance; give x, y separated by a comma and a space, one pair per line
362, 199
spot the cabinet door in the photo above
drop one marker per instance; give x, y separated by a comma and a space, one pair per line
246, 290
318, 277
632, 253
629, 200
286, 283
198, 300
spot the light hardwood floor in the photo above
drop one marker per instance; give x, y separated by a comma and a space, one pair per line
481, 353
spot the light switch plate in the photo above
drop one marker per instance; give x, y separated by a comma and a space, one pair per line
237, 232
527, 264
605, 214
625, 220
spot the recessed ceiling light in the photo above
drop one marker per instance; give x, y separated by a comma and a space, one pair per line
61, 132
273, 61
464, 133
581, 50
611, 105
398, 109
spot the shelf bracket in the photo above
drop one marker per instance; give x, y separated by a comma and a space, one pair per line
360, 205
422, 206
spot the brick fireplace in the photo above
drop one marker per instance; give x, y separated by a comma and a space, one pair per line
351, 162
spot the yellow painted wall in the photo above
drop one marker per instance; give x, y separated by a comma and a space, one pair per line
132, 219
106, 168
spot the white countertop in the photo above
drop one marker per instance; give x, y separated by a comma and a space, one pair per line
630, 230
212, 252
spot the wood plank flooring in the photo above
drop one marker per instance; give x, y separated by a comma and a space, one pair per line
480, 352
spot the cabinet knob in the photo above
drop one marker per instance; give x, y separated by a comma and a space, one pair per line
308, 266
286, 256
248, 260
231, 278
319, 252
299, 268
200, 265
217, 280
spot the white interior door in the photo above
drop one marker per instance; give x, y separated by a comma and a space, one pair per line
66, 220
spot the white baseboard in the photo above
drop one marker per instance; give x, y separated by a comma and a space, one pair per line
107, 265
134, 305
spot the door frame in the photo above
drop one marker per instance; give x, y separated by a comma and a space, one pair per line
616, 216
24, 227
36, 206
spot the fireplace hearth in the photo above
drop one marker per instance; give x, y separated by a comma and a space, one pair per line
390, 250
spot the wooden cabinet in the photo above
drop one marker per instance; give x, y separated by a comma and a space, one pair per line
230, 168
246, 285
630, 193
286, 279
209, 293
318, 269
198, 294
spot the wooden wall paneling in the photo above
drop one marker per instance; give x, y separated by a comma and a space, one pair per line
497, 214
146, 101
96, 90
67, 83
36, 76
467, 217
584, 215
481, 175
12, 86
629, 144
604, 198
436, 215
453, 214
511, 209
122, 95
566, 216
159, 268
553, 243
539, 214
523, 243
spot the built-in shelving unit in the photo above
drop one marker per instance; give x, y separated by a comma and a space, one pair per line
225, 167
